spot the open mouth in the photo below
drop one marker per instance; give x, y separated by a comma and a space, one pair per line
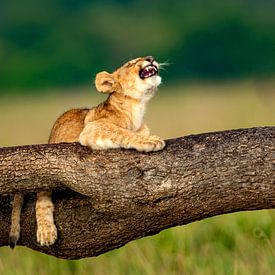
148, 71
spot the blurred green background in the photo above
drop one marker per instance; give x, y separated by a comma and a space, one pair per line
221, 76
58, 42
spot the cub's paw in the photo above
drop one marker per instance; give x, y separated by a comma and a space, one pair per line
13, 238
152, 143
159, 144
47, 234
14, 235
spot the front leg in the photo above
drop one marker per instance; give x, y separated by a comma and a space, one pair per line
143, 130
103, 135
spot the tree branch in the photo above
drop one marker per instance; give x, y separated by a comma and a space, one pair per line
128, 195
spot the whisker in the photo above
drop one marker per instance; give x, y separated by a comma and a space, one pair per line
162, 65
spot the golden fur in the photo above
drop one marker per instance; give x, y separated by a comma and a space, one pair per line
115, 123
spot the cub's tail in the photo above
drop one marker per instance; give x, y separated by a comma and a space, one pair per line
15, 219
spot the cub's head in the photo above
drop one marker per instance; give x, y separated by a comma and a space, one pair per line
137, 78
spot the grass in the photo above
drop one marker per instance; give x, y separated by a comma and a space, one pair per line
241, 243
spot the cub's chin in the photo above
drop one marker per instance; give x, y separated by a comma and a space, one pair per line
152, 83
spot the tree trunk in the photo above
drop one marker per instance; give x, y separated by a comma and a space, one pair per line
123, 195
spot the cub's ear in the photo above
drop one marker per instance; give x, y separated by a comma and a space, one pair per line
105, 82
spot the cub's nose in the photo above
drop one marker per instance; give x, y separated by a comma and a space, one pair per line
150, 59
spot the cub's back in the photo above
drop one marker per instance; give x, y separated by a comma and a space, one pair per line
68, 126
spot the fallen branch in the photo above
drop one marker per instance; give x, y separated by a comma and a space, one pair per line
123, 195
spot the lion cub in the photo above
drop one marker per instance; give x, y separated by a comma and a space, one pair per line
115, 123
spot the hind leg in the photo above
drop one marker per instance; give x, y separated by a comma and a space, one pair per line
17, 204
46, 229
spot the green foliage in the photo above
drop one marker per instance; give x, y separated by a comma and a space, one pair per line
48, 43
228, 48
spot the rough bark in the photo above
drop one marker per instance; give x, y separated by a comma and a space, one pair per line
123, 195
